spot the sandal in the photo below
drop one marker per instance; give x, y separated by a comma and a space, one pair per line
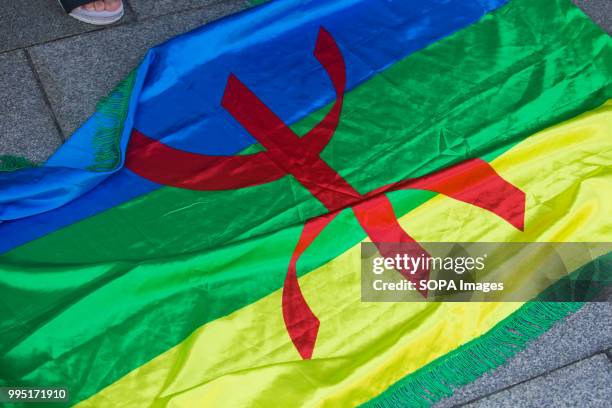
92, 16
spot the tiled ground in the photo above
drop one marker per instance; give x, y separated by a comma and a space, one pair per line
585, 383
72, 95
572, 343
54, 69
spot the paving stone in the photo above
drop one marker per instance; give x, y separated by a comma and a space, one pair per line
148, 8
599, 10
99, 60
581, 334
28, 22
26, 126
584, 384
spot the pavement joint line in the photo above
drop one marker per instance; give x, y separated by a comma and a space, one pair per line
64, 37
51, 41
134, 21
608, 353
43, 91
471, 401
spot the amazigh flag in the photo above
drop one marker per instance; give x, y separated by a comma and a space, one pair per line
197, 241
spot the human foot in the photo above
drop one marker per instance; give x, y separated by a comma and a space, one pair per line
100, 12
103, 5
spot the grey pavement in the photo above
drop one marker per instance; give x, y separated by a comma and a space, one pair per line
53, 69
97, 52
599, 10
25, 23
585, 383
148, 8
581, 335
21, 94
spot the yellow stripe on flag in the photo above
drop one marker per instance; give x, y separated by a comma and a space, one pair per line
246, 358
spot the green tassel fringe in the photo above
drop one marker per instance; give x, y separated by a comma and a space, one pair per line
257, 2
110, 118
12, 163
440, 378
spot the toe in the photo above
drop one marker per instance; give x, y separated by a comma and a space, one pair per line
99, 5
112, 5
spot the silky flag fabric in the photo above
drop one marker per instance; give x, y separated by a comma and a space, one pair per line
196, 241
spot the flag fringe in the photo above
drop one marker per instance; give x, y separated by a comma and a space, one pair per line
440, 378
12, 163
110, 117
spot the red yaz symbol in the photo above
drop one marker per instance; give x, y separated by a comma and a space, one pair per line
473, 181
